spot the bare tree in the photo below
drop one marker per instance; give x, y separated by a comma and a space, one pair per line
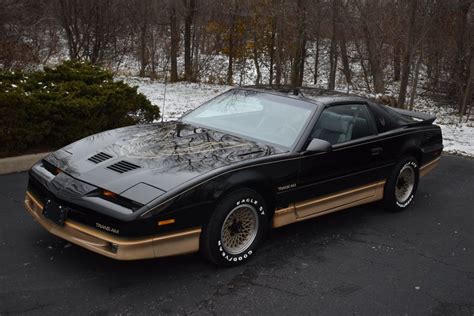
365, 43
190, 7
407, 55
174, 45
333, 48
300, 45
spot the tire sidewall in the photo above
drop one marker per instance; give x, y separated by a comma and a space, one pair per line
390, 196
238, 198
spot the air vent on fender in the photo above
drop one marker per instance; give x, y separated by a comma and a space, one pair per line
99, 157
123, 166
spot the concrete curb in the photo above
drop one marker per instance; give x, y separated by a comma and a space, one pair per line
19, 163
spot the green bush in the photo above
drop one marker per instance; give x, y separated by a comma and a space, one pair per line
51, 108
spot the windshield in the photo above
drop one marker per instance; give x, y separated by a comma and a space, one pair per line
261, 116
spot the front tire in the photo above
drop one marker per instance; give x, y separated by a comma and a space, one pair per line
236, 227
402, 184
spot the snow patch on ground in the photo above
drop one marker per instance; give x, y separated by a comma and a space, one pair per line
458, 139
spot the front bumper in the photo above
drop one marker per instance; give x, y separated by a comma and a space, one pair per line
181, 242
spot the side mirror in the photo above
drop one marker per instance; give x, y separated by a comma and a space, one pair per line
318, 146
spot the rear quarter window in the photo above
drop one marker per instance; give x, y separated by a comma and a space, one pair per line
384, 120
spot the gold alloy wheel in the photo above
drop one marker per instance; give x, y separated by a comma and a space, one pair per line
239, 229
405, 183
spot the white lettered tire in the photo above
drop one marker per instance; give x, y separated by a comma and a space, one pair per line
401, 186
235, 229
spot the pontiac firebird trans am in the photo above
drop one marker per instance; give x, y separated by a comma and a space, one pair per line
217, 179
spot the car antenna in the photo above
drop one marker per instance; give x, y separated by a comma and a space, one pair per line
164, 103
164, 96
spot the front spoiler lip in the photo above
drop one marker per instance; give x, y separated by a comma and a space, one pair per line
180, 242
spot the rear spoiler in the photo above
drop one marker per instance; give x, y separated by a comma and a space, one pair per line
417, 118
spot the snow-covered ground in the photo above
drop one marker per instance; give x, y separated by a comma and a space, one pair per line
458, 138
182, 96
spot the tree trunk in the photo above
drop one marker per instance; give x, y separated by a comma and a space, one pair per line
302, 62
377, 74
374, 61
188, 63
396, 61
415, 82
143, 49
333, 49
318, 42
460, 62
332, 66
467, 97
272, 51
361, 60
68, 18
364, 68
197, 35
300, 51
174, 44
255, 58
316, 63
230, 68
279, 59
345, 59
407, 56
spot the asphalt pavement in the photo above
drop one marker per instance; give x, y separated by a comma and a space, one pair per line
361, 261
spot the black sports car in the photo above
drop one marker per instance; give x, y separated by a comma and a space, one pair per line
220, 177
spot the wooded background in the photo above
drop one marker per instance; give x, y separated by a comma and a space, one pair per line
368, 44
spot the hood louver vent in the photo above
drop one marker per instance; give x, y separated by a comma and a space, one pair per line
99, 157
123, 166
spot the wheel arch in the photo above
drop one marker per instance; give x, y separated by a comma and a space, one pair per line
412, 147
251, 179
416, 153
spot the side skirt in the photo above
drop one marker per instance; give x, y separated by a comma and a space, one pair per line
427, 168
301, 211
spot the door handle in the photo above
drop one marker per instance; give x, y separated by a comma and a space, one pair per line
376, 151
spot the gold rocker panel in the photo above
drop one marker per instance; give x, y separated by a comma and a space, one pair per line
301, 211
426, 168
170, 244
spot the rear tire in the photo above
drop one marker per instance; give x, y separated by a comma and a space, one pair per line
236, 228
401, 186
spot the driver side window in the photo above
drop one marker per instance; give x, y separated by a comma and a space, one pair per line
342, 123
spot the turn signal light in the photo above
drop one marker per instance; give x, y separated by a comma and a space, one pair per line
166, 222
108, 194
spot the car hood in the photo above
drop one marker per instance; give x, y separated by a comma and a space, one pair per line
162, 156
